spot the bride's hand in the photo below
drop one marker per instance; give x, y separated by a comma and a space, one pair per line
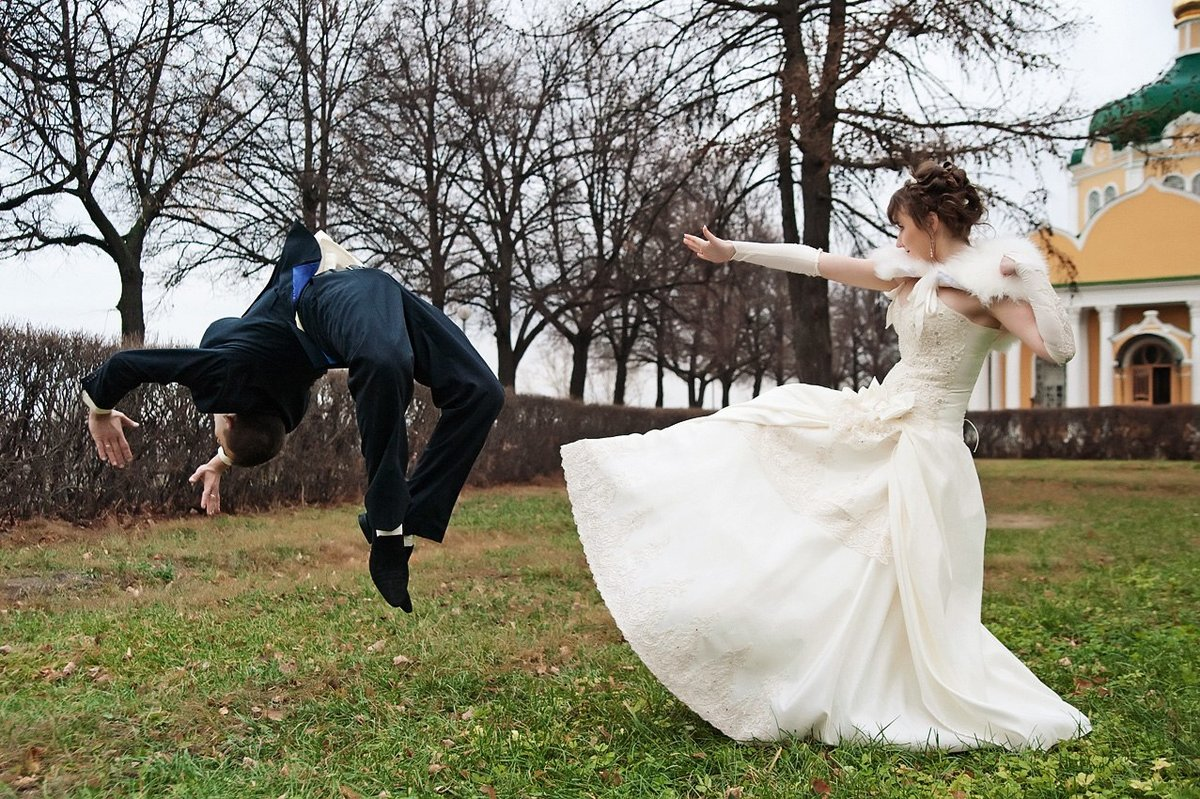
710, 248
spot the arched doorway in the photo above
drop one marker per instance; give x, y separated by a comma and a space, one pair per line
1151, 370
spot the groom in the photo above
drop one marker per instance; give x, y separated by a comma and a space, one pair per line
322, 309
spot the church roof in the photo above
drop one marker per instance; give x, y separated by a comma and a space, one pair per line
1141, 117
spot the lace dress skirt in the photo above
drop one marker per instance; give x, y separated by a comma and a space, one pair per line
810, 563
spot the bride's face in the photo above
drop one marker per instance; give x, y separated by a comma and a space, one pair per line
911, 238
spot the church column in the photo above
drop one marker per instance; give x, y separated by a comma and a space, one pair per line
1077, 367
996, 400
1012, 376
1194, 329
1108, 329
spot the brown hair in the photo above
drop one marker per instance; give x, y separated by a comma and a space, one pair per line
255, 438
943, 190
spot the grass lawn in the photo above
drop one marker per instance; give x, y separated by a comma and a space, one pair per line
250, 656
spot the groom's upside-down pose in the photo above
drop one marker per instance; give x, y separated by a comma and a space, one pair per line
322, 310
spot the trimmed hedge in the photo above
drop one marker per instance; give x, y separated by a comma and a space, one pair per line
52, 469
1122, 432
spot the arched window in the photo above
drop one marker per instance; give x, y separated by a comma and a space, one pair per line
1175, 182
1093, 203
1151, 368
1110, 194
1196, 184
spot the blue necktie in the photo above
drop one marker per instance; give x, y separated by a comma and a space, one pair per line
302, 275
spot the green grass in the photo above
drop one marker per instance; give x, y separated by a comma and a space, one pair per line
250, 656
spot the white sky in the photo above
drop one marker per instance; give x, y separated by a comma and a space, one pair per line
1127, 44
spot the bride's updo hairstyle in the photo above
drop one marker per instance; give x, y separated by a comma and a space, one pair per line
943, 190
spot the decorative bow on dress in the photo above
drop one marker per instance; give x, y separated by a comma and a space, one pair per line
924, 293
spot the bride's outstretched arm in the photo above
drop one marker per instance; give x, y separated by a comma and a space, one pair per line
1040, 321
798, 258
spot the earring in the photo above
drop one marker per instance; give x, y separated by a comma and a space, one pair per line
931, 257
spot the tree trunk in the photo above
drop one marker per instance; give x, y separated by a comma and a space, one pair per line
660, 377
580, 346
622, 376
130, 305
810, 295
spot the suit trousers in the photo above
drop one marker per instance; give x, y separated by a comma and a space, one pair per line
388, 337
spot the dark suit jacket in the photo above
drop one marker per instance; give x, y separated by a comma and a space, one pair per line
257, 363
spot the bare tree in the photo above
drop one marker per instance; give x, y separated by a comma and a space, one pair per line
315, 93
863, 349
843, 89
507, 91
413, 150
620, 169
111, 110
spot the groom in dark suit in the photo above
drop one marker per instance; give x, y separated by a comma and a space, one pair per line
321, 310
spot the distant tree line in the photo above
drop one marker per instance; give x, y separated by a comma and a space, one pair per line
533, 162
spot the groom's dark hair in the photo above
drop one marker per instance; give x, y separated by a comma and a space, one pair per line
254, 438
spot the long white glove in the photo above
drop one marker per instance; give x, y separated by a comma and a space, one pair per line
797, 258
1048, 312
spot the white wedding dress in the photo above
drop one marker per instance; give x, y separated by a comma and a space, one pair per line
810, 562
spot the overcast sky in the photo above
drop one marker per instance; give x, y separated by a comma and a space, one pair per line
1127, 44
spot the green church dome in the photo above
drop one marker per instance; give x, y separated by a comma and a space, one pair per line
1141, 117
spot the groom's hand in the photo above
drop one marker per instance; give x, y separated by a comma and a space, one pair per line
108, 433
209, 476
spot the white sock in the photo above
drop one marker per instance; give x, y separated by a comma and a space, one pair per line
408, 539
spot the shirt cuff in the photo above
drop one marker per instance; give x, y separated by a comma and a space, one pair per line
87, 400
225, 459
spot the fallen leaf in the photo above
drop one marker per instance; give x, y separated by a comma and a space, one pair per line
489, 791
819, 786
468, 714
249, 762
348, 793
377, 646
735, 792
6, 650
224, 711
69, 669
1064, 661
434, 768
21, 783
401, 660
275, 715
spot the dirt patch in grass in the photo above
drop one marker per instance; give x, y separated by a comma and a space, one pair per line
1019, 521
42, 585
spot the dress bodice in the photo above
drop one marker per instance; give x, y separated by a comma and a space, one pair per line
941, 353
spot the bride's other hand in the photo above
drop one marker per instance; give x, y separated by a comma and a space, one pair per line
710, 248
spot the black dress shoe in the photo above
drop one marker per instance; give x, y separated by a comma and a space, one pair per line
367, 530
389, 570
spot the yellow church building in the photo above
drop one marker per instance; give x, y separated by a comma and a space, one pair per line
1135, 298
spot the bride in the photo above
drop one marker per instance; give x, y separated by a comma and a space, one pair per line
810, 562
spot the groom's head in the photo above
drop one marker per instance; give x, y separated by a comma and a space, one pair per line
249, 439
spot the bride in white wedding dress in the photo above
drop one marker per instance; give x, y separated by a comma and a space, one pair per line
810, 562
